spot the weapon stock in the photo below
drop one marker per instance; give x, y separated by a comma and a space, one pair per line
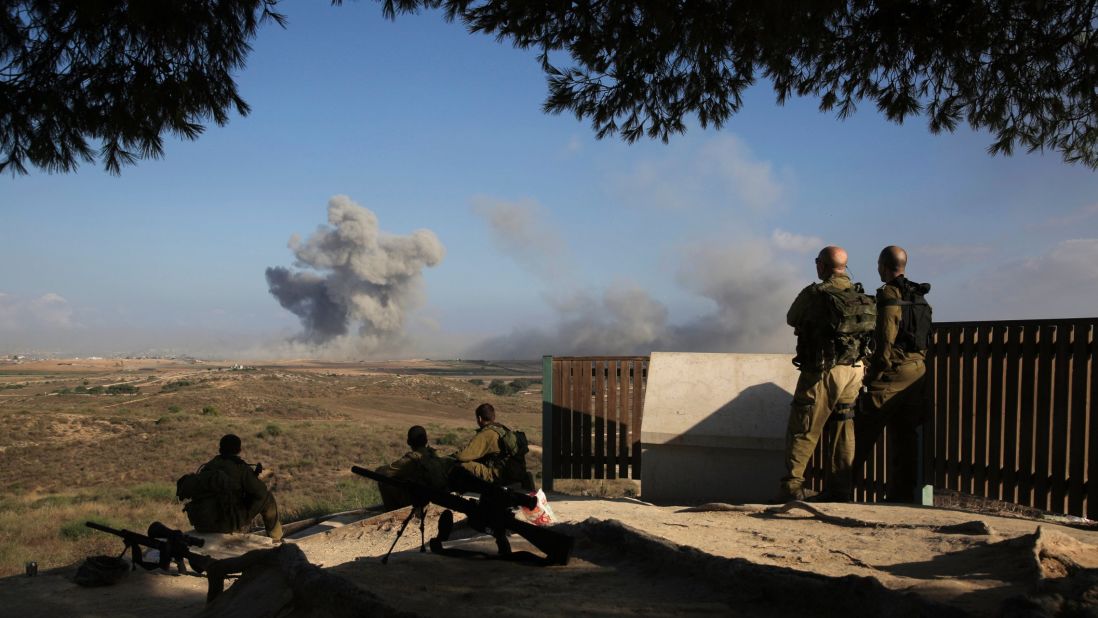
172, 545
491, 514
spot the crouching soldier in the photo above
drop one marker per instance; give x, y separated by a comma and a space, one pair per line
420, 465
226, 494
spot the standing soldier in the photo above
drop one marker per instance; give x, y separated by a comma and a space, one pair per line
833, 321
896, 376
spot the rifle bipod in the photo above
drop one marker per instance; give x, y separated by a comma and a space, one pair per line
420, 512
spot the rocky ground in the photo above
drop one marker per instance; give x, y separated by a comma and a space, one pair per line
632, 558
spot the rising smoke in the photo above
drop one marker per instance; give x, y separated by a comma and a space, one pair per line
748, 283
359, 284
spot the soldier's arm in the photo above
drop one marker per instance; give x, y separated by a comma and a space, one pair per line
796, 312
484, 443
254, 487
888, 326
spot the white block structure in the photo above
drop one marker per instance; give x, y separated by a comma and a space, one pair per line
714, 426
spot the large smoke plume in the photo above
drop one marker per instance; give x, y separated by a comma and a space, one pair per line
359, 283
748, 283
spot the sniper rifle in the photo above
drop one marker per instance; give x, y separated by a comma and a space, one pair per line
492, 513
171, 546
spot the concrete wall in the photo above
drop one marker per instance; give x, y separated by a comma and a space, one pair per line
714, 426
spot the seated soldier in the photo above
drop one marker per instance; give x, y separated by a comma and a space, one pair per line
234, 495
420, 465
492, 455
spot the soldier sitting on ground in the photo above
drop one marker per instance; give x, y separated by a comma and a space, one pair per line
495, 454
226, 494
421, 465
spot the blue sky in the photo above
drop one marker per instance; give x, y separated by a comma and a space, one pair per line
555, 242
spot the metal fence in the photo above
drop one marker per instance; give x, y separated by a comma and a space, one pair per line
591, 416
1013, 416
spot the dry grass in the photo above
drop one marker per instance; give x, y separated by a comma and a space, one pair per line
67, 458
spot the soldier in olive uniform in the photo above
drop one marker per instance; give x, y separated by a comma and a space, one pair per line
420, 465
484, 458
246, 496
825, 390
896, 382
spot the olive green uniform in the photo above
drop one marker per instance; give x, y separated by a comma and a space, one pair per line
234, 510
484, 459
819, 394
421, 465
897, 397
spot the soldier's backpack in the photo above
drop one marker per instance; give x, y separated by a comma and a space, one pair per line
916, 316
209, 499
512, 444
843, 334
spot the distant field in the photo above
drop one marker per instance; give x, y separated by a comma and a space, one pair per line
71, 452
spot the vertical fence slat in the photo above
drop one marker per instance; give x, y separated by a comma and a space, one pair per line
635, 433
599, 467
559, 379
586, 412
996, 414
1026, 410
578, 367
953, 478
1043, 418
626, 425
1013, 363
941, 404
980, 414
967, 418
1076, 468
612, 419
1059, 425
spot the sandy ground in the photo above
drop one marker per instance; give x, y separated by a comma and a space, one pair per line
740, 564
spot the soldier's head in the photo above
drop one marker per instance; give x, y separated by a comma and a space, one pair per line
485, 414
830, 261
892, 263
229, 445
417, 437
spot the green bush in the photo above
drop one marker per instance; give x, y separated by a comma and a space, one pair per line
95, 390
269, 431
209, 411
174, 409
477, 382
122, 389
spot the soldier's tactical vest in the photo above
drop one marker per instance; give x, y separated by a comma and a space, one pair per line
212, 504
916, 316
841, 332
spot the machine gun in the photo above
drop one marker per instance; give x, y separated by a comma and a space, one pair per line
171, 545
492, 513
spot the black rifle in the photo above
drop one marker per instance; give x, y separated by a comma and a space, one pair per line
172, 545
492, 513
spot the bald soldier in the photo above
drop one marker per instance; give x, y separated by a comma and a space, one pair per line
833, 320
896, 375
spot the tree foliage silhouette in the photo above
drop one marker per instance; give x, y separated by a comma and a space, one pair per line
107, 78
1025, 70
81, 79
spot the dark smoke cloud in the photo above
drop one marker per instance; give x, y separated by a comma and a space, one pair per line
361, 283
